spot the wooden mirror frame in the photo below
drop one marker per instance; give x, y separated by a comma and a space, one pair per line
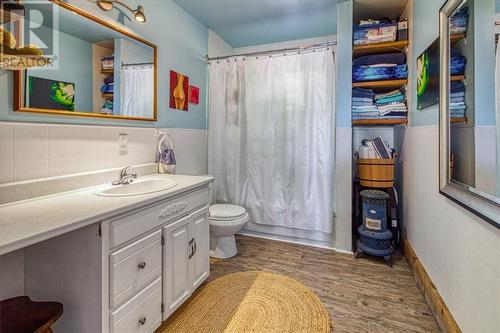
485, 206
18, 93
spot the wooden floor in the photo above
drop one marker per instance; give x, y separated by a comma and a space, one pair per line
362, 295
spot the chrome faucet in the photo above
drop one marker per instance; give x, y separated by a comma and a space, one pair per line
125, 177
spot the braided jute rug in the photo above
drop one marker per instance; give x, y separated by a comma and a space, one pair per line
251, 302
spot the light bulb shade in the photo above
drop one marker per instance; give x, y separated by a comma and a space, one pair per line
139, 15
108, 5
105, 5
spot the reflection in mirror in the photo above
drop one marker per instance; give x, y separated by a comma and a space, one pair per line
98, 70
473, 73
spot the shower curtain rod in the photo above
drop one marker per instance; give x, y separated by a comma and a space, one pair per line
290, 49
138, 64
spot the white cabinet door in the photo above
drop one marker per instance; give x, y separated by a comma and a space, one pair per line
200, 262
176, 264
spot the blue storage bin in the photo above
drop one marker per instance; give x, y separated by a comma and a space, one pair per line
375, 33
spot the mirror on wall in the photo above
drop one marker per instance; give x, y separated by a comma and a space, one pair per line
469, 102
98, 69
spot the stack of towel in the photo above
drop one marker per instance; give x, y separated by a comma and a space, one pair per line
380, 67
108, 88
458, 22
368, 105
363, 106
391, 105
457, 99
457, 63
107, 107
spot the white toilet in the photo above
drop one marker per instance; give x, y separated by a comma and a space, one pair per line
225, 222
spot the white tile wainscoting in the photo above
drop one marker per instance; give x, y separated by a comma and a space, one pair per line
31, 151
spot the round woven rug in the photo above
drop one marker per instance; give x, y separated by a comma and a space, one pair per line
251, 302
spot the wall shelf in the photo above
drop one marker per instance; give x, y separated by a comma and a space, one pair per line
455, 38
379, 122
107, 95
457, 78
458, 120
107, 71
380, 84
387, 47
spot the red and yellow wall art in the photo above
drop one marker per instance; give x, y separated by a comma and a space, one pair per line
179, 84
194, 95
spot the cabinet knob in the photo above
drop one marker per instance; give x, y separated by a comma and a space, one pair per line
142, 320
142, 265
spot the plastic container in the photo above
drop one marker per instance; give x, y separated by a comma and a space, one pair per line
376, 173
375, 33
107, 62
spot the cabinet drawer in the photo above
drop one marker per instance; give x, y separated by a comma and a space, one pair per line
141, 314
134, 267
130, 226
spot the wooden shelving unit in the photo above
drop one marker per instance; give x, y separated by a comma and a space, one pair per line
379, 122
107, 71
107, 95
455, 38
457, 78
360, 50
397, 46
458, 120
380, 84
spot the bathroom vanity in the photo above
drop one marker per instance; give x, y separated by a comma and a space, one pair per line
117, 263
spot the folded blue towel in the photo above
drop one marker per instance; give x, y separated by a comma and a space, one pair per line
365, 73
109, 80
388, 100
362, 99
385, 58
107, 88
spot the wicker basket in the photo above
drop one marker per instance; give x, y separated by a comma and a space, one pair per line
376, 173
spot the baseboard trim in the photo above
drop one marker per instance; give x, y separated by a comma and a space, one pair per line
438, 307
285, 239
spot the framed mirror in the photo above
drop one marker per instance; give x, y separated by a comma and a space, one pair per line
468, 101
98, 69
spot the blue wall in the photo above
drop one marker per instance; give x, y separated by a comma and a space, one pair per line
182, 45
426, 30
73, 68
344, 64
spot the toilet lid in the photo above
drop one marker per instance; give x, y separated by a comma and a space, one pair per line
226, 211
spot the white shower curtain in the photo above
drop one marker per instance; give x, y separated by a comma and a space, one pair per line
137, 92
271, 137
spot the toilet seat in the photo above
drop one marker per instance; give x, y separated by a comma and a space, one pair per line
225, 212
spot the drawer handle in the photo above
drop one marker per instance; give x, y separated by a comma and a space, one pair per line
142, 265
142, 320
195, 248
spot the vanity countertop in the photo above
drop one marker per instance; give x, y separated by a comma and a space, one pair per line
27, 222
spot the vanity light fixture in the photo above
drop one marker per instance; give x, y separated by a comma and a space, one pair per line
108, 5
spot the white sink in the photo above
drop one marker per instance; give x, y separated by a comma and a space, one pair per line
138, 187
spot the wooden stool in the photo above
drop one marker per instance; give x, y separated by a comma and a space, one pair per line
22, 315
